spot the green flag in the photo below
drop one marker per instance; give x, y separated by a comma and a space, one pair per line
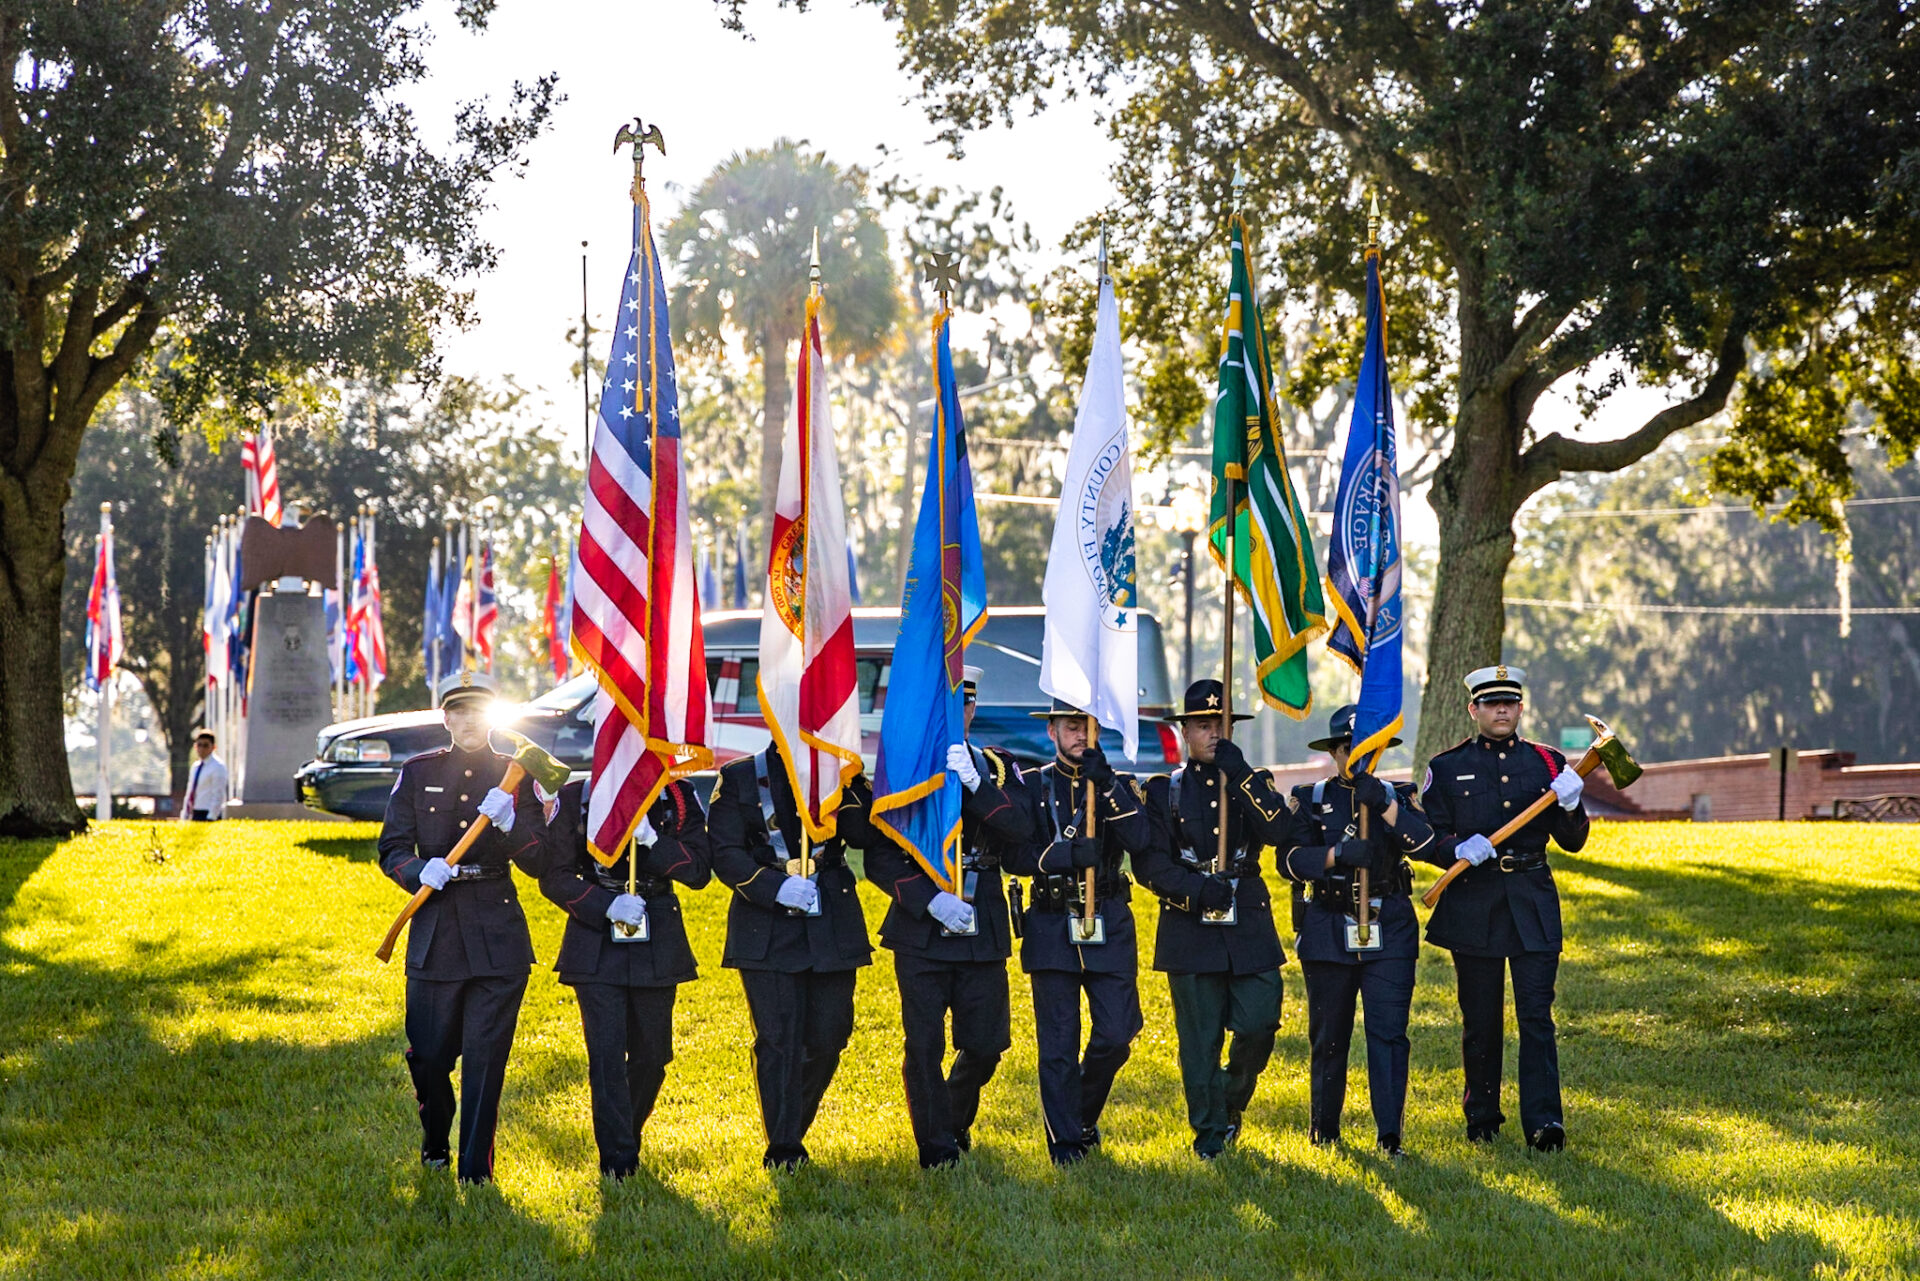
1254, 503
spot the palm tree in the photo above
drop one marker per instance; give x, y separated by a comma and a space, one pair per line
742, 245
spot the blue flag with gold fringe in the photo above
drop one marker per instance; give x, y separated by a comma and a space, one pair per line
915, 800
1363, 558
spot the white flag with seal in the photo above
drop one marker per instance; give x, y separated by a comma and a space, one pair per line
1091, 653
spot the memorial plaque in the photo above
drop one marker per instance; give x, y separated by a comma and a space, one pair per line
291, 696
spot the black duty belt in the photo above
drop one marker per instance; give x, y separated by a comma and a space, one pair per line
1336, 894
476, 872
1061, 893
1520, 860
648, 887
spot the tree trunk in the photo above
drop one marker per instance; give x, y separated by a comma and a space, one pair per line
773, 422
36, 791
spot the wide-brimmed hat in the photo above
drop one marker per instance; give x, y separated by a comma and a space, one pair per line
1340, 730
1205, 698
1061, 707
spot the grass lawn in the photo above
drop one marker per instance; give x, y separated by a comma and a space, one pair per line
200, 1076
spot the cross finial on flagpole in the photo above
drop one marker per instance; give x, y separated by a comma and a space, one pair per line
941, 275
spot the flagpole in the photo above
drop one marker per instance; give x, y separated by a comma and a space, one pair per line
1226, 651
586, 361
1363, 909
103, 788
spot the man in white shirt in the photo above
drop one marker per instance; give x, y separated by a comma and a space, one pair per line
206, 798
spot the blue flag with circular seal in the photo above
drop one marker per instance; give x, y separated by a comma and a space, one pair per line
1363, 559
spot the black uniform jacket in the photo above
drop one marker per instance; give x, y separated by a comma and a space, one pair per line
1320, 925
993, 816
762, 934
1176, 868
1471, 791
1056, 807
585, 890
474, 927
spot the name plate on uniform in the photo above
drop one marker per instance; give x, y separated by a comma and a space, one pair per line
969, 883
1082, 932
1374, 932
624, 933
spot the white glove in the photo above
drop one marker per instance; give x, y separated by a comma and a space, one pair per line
1568, 785
644, 834
498, 807
951, 911
1475, 850
799, 893
960, 761
436, 874
627, 909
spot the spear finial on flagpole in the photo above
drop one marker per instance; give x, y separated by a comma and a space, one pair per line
1373, 224
1239, 184
1103, 254
813, 267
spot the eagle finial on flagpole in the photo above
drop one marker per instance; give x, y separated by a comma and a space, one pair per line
639, 133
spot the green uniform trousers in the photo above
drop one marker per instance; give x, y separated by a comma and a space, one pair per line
1205, 1008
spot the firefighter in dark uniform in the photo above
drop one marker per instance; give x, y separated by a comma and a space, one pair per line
1065, 958
625, 954
1503, 913
468, 950
1325, 858
1217, 943
950, 950
797, 940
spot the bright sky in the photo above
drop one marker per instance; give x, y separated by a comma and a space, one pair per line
829, 76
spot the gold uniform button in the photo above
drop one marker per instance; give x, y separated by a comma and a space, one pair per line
463, 822
463, 795
469, 773
1503, 778
1507, 804
1503, 756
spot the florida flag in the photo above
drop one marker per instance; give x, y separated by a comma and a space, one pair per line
809, 691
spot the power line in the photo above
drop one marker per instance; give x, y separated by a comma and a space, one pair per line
1595, 512
1738, 611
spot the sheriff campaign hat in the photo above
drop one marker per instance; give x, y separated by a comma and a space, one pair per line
1205, 698
1340, 730
1061, 707
465, 687
1497, 684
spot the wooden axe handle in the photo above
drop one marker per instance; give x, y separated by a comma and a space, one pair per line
510, 783
1586, 765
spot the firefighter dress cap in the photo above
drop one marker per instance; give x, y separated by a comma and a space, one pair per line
970, 683
1497, 684
1205, 698
466, 687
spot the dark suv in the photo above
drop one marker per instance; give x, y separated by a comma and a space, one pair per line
356, 761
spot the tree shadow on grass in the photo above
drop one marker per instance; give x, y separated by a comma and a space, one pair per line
350, 848
130, 1151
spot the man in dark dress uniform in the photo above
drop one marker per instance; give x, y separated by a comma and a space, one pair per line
468, 950
1217, 943
796, 940
1503, 913
1326, 855
625, 954
950, 950
1062, 958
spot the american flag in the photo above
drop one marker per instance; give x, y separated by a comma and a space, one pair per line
104, 645
263, 477
367, 659
636, 609
487, 606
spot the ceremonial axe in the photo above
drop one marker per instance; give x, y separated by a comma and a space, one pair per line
529, 759
1606, 750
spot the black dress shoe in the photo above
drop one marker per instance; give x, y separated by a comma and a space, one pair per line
1390, 1144
1233, 1128
1482, 1133
1551, 1137
1323, 1139
433, 1162
1090, 1137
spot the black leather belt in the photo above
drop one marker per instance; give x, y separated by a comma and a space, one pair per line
1522, 861
647, 887
475, 872
1059, 893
